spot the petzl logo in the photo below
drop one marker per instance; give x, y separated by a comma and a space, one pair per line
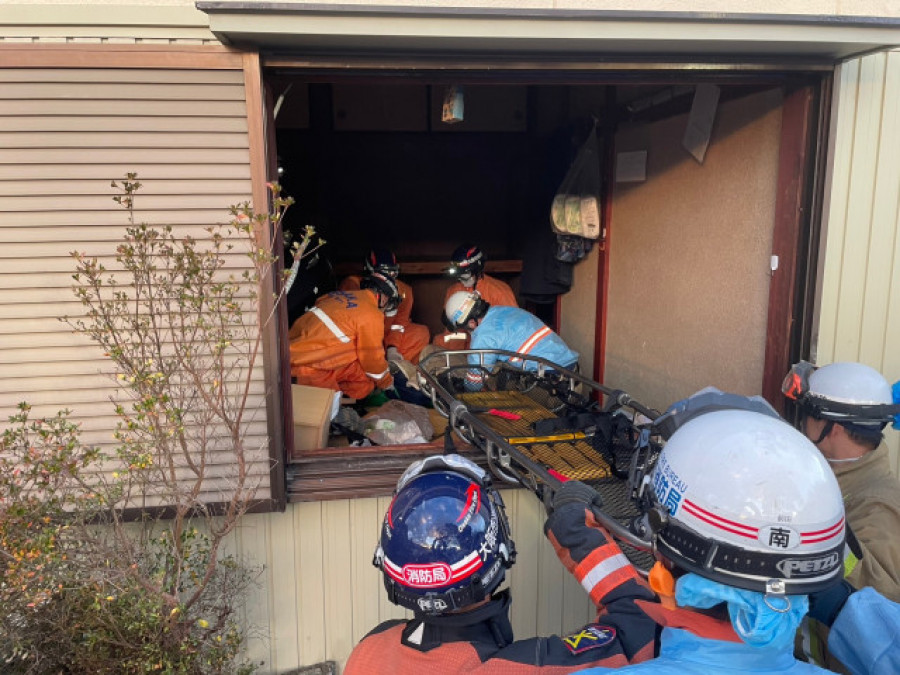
424, 576
791, 567
432, 605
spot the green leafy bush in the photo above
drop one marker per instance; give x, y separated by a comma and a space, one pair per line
112, 559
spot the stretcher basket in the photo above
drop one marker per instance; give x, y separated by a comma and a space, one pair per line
539, 424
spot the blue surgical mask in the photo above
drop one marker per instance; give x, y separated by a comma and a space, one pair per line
760, 620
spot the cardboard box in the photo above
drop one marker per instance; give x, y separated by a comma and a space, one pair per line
312, 416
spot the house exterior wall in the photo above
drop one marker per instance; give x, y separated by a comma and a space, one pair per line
74, 118
859, 295
318, 593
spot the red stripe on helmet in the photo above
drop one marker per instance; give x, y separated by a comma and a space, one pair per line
719, 522
822, 535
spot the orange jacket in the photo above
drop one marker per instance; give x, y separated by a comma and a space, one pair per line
402, 319
343, 327
495, 292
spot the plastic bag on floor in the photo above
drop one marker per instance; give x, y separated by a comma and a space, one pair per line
398, 423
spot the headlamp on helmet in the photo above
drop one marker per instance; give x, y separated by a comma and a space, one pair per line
445, 541
846, 392
467, 264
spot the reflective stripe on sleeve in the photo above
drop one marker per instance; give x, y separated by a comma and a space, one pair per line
398, 328
601, 572
331, 325
378, 376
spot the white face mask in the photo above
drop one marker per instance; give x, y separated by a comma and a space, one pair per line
467, 280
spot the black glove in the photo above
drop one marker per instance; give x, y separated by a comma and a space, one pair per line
574, 492
825, 605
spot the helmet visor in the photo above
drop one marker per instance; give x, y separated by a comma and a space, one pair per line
456, 463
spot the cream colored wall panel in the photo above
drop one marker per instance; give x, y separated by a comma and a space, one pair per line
105, 172
859, 316
45, 217
116, 107
124, 155
523, 511
70, 90
67, 188
181, 77
309, 537
283, 590
336, 551
134, 123
365, 527
857, 235
130, 139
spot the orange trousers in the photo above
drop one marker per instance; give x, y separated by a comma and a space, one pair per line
411, 341
350, 379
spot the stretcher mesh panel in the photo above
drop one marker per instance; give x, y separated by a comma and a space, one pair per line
573, 458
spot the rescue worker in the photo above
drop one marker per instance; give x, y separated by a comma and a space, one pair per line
339, 343
467, 270
507, 328
755, 525
743, 533
444, 549
403, 339
845, 408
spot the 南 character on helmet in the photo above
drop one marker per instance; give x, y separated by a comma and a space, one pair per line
385, 288
851, 394
752, 504
461, 307
467, 264
382, 260
445, 541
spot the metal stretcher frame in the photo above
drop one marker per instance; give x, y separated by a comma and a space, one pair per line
505, 455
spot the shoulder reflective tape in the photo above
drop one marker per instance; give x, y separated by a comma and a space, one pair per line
535, 337
331, 325
398, 327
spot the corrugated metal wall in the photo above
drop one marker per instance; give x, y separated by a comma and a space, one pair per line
65, 133
319, 593
859, 307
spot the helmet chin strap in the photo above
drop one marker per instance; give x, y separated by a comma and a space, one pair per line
829, 425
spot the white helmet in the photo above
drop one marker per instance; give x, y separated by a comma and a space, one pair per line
847, 392
751, 503
462, 306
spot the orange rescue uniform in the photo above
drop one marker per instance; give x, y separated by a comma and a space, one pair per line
495, 292
399, 330
339, 344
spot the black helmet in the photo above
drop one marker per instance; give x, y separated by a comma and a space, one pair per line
382, 260
387, 289
467, 262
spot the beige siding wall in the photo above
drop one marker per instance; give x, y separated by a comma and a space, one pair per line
859, 315
65, 133
320, 594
